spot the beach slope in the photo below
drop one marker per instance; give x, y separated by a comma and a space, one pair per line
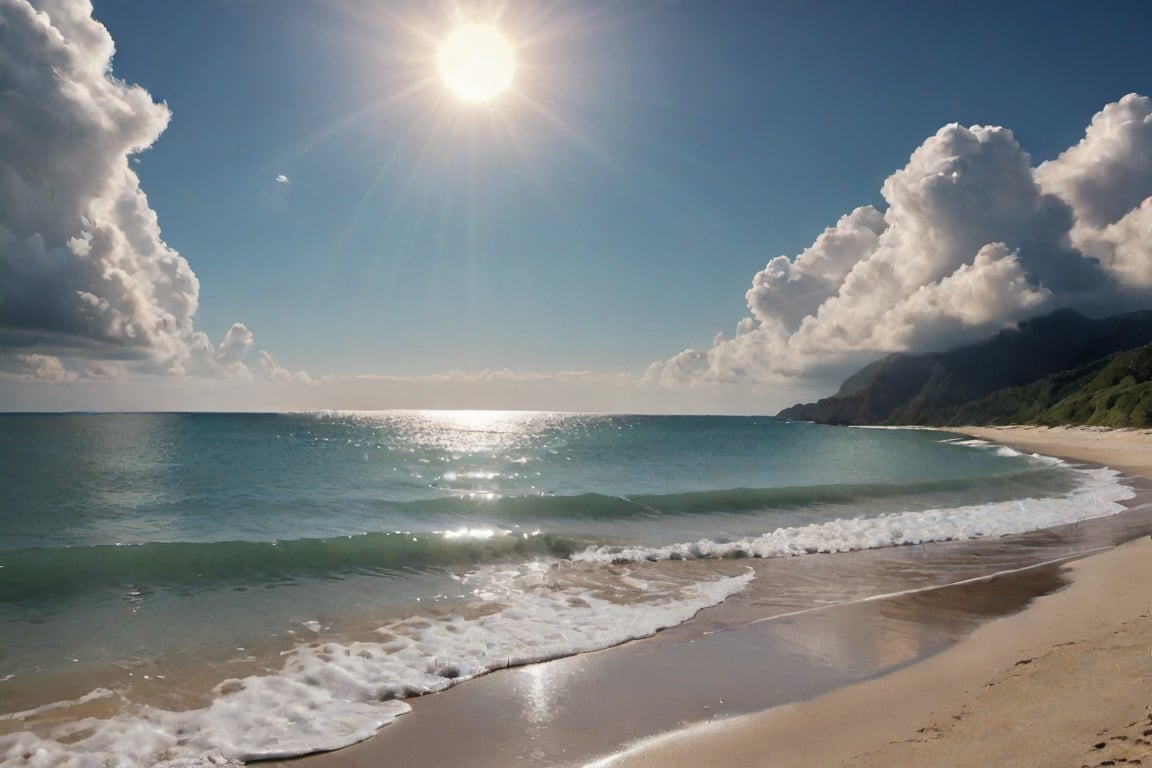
1066, 682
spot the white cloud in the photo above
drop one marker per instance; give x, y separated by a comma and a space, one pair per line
103, 370
1107, 179
1109, 172
973, 239
992, 290
282, 179
785, 291
80, 251
269, 369
44, 368
1124, 247
84, 270
236, 345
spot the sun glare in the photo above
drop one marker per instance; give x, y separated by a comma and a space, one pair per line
477, 63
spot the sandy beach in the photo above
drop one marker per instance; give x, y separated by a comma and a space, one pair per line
1068, 681
1129, 450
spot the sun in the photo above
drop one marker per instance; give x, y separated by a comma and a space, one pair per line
477, 63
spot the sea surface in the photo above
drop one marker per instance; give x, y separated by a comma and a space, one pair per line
192, 589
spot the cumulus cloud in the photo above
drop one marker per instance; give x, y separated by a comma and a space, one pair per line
784, 292
80, 251
1107, 179
268, 368
973, 239
1124, 247
993, 289
84, 270
1109, 172
44, 367
236, 345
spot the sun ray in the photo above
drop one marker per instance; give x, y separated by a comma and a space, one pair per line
441, 140
568, 131
333, 129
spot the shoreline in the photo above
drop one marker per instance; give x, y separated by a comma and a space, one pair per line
1128, 450
1066, 681
880, 593
724, 666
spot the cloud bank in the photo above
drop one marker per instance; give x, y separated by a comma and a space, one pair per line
973, 239
84, 272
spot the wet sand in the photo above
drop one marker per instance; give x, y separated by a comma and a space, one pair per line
1066, 682
710, 673
724, 663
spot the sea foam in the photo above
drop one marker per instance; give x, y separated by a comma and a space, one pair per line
329, 695
1098, 494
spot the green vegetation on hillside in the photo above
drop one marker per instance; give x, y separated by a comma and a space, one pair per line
1115, 391
1047, 360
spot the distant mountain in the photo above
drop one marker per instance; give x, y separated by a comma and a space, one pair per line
1113, 392
928, 389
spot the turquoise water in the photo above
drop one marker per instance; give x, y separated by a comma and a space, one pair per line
90, 480
136, 545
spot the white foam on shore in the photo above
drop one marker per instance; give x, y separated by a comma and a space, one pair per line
1098, 494
1004, 450
99, 693
330, 695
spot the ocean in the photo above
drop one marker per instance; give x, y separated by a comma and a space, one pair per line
193, 589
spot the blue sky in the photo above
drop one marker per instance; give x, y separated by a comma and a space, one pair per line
609, 213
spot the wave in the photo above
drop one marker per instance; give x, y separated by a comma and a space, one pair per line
797, 497
55, 572
330, 695
1099, 494
548, 507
